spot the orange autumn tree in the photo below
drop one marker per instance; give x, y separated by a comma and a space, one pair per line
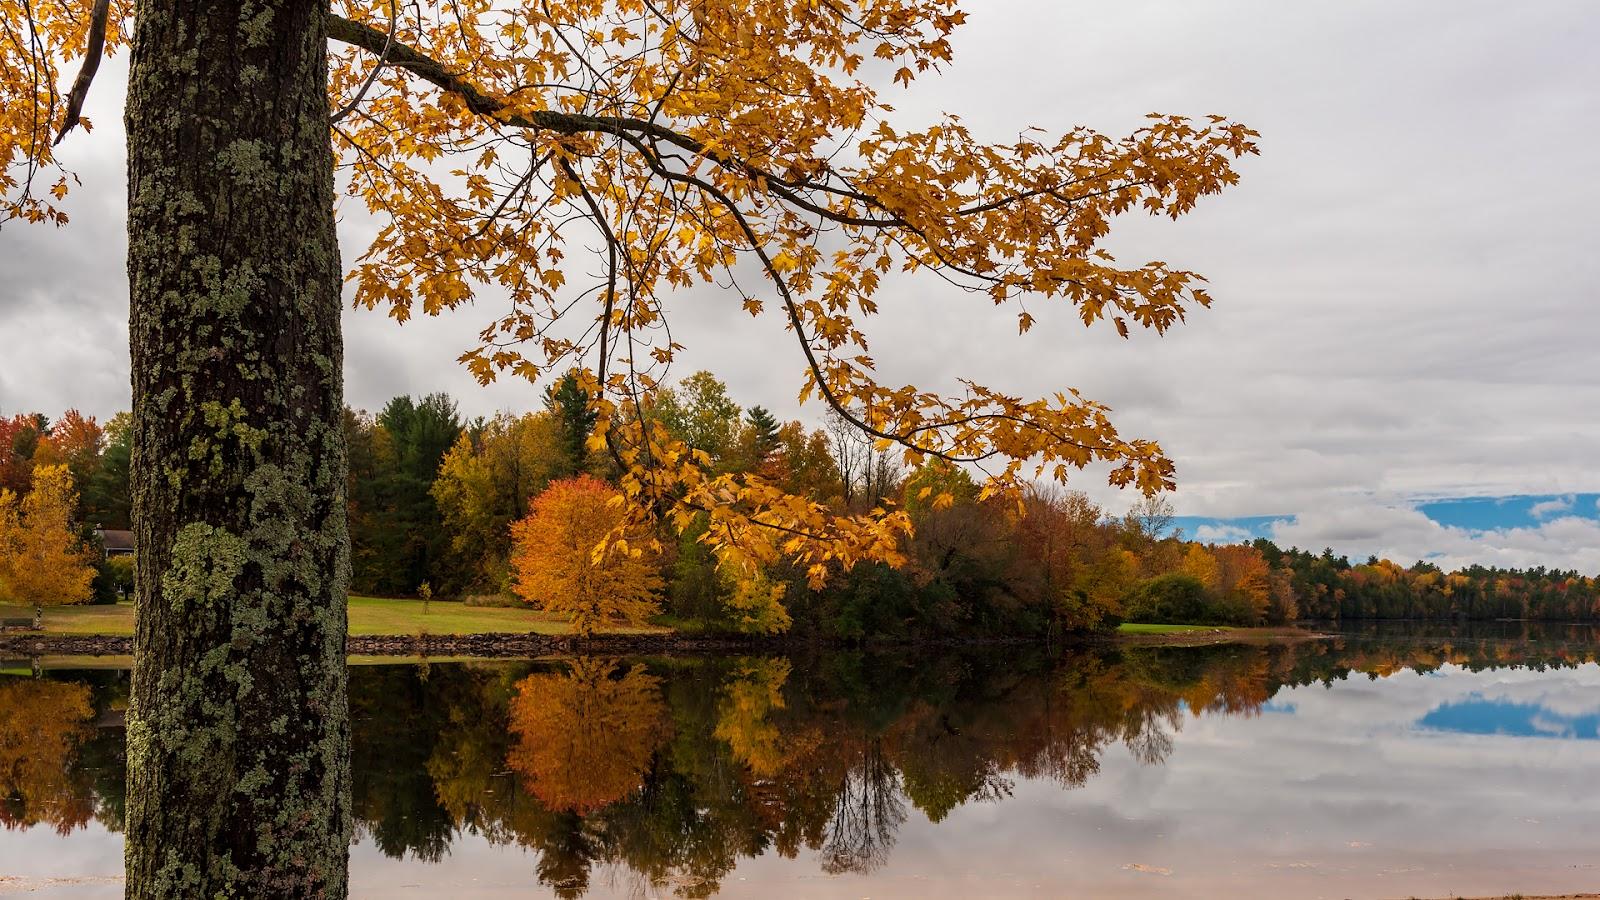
584, 160
42, 560
1244, 580
562, 563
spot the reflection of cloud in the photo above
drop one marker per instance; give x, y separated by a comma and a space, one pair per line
1348, 785
1562, 697
1546, 725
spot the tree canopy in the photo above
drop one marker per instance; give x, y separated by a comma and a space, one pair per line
42, 560
562, 564
585, 159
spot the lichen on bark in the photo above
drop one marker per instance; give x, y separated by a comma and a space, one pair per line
238, 736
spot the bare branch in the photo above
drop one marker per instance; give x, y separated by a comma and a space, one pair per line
91, 63
377, 68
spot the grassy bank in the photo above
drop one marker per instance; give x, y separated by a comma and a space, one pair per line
1140, 628
1203, 635
368, 616
377, 616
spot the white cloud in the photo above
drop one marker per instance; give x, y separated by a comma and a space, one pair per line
1361, 527
1550, 507
1221, 534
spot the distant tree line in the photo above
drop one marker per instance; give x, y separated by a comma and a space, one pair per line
1331, 587
508, 509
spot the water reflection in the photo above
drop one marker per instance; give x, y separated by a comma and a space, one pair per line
56, 767
679, 771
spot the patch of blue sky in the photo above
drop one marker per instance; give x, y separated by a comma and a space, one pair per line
1238, 529
1519, 511
1473, 514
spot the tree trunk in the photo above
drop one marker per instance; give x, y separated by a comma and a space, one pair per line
238, 735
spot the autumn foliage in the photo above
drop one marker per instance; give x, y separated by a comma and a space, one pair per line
42, 560
564, 564
592, 161
606, 155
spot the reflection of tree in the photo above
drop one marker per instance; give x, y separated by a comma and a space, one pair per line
758, 759
867, 813
566, 855
943, 763
744, 717
393, 720
586, 737
1150, 742
467, 764
672, 777
42, 725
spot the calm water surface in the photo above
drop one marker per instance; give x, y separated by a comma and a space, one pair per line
1375, 765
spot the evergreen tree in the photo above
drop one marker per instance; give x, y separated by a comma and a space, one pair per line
764, 438
395, 535
569, 403
105, 493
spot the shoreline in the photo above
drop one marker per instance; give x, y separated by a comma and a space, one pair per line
491, 645
1207, 637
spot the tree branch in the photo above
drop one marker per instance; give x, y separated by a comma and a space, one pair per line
94, 48
432, 71
377, 68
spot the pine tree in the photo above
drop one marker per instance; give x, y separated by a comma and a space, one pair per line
764, 438
569, 402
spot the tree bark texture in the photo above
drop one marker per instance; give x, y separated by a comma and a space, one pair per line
238, 736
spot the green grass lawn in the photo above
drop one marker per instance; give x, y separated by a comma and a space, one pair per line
375, 615
113, 620
368, 615
1136, 628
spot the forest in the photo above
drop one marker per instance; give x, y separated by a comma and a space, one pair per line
504, 510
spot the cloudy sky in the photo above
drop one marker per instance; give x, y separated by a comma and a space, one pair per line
1399, 360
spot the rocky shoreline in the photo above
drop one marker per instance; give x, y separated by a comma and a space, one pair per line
513, 644
489, 644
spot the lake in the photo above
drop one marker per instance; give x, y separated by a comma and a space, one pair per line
1384, 763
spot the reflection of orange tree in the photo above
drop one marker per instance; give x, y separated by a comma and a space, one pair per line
586, 737
830, 754
42, 724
